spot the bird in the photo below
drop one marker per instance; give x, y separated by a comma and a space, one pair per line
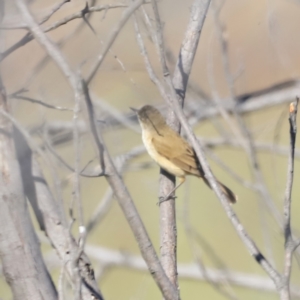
171, 151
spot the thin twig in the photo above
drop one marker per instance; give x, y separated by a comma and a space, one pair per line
42, 63
111, 259
104, 105
261, 146
92, 120
79, 15
29, 99
148, 65
112, 37
290, 176
244, 132
289, 243
52, 11
106, 202
48, 15
189, 271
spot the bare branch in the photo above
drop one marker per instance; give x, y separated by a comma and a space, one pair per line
50, 213
189, 46
23, 265
246, 135
250, 245
290, 245
252, 102
113, 35
260, 146
130, 212
104, 105
45, 18
106, 201
186, 271
290, 176
29, 37
178, 83
53, 10
248, 242
167, 209
82, 13
29, 99
57, 230
154, 78
75, 83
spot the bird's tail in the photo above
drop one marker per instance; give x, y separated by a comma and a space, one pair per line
232, 198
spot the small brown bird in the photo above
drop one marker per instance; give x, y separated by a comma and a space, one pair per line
170, 150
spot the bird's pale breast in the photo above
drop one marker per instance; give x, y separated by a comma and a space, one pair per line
160, 159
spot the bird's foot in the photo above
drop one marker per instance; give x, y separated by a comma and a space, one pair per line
163, 199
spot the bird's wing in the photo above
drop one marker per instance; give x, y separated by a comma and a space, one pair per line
179, 152
183, 156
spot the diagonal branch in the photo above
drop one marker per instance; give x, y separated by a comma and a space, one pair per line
173, 101
179, 83
28, 37
113, 35
22, 260
115, 181
74, 81
248, 242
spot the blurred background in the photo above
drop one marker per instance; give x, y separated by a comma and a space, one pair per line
262, 51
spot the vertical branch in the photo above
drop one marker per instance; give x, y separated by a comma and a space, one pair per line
115, 181
76, 180
168, 227
181, 74
177, 86
167, 209
189, 46
290, 175
168, 231
23, 265
289, 244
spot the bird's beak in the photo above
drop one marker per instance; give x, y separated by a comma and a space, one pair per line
134, 109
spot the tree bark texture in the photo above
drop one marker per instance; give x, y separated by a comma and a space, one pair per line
22, 261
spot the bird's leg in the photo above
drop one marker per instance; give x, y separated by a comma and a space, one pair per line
168, 197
